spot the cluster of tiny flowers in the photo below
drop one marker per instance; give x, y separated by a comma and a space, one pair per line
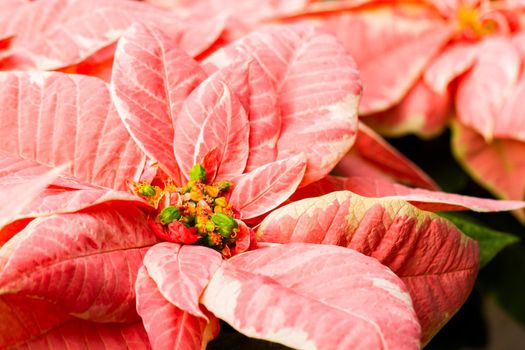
197, 213
471, 26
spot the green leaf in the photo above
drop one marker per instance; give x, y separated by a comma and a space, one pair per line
490, 241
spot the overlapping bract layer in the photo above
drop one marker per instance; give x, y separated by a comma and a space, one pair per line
222, 105
281, 294
79, 36
435, 260
272, 112
90, 238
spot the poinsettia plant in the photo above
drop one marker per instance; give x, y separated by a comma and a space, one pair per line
147, 239
200, 118
95, 235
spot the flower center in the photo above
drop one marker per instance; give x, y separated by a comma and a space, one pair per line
471, 25
196, 213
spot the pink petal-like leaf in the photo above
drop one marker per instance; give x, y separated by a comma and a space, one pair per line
103, 336
27, 169
152, 76
483, 91
168, 326
54, 119
212, 118
263, 189
66, 195
181, 273
197, 35
25, 318
255, 91
60, 201
316, 82
192, 36
85, 262
99, 64
422, 112
11, 190
211, 162
245, 239
37, 324
7, 9
421, 198
511, 121
312, 296
353, 164
392, 44
53, 34
455, 60
370, 150
499, 166
435, 260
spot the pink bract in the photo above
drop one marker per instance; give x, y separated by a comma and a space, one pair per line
437, 263
499, 165
78, 36
421, 198
372, 157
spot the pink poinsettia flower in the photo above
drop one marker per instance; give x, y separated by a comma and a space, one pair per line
497, 165
371, 155
436, 41
430, 56
80, 36
100, 242
74, 257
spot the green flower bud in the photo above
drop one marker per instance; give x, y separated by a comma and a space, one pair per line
224, 232
210, 226
224, 186
224, 223
147, 190
198, 173
168, 215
